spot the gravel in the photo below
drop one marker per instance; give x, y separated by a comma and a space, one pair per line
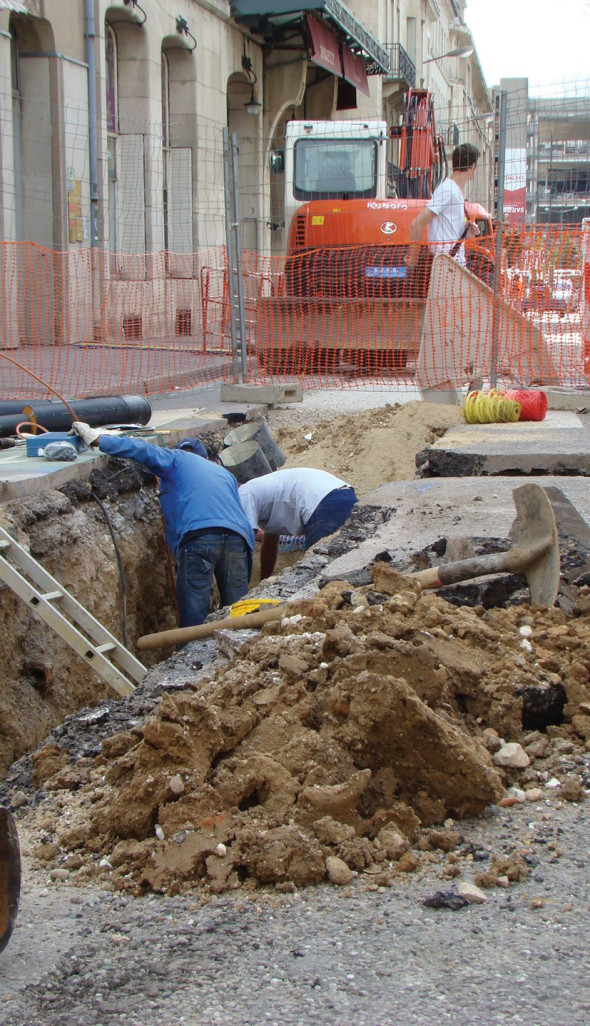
351, 956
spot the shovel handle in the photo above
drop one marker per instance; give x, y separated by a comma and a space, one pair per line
515, 560
180, 635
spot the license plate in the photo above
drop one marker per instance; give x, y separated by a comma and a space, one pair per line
385, 271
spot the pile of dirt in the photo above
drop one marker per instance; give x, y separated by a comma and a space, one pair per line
337, 741
368, 447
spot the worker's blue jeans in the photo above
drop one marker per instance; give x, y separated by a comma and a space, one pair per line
203, 555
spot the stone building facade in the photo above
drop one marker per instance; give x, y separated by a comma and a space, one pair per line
112, 118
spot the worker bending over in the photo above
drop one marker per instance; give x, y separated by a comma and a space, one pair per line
300, 501
206, 528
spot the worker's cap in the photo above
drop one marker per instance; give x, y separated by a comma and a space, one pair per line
193, 445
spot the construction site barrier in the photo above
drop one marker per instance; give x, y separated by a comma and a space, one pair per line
88, 322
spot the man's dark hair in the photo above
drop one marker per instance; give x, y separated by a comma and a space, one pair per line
464, 156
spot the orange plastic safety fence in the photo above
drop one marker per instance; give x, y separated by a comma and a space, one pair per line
89, 322
364, 311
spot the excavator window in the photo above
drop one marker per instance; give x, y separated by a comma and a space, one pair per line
335, 169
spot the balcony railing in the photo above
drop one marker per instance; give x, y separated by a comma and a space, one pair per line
402, 69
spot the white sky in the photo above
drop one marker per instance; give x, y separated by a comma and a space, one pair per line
546, 42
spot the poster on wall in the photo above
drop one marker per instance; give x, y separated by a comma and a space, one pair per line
515, 186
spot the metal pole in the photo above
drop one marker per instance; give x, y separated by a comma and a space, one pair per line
238, 264
500, 142
89, 37
229, 242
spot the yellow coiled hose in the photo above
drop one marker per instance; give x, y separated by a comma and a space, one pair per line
490, 408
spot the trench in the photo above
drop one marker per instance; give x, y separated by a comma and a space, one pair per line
103, 540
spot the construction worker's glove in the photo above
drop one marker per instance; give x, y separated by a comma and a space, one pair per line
88, 434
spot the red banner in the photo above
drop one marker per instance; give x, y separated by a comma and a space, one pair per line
325, 46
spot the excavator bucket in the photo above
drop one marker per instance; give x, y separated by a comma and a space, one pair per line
10, 874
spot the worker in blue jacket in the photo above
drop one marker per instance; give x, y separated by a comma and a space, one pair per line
206, 527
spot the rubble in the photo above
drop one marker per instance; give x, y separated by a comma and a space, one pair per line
345, 739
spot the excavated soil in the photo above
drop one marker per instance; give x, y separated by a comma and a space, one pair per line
338, 741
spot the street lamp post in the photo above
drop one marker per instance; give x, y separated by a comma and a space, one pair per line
459, 51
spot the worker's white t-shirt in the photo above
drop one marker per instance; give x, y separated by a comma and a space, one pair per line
448, 205
282, 502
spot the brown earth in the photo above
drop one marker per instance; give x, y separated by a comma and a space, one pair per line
331, 743
366, 448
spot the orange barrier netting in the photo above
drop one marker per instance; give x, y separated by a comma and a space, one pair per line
88, 322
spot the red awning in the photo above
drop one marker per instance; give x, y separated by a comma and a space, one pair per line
325, 46
354, 70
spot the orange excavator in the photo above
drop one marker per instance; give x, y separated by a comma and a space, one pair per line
346, 294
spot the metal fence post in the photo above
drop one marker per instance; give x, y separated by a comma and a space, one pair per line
234, 257
229, 245
499, 176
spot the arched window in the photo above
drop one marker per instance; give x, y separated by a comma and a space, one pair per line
111, 79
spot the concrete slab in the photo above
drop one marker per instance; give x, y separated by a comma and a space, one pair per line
560, 444
426, 510
22, 475
288, 393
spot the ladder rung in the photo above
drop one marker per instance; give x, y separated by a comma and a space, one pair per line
4, 544
49, 596
109, 647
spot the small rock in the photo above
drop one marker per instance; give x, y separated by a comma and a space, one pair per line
176, 784
537, 903
553, 783
491, 739
19, 799
159, 832
221, 850
337, 870
59, 874
511, 756
534, 794
516, 793
572, 790
473, 894
503, 881
445, 899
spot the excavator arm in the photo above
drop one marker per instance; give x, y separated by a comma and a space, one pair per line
422, 161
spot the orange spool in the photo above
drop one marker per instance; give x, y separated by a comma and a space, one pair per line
533, 405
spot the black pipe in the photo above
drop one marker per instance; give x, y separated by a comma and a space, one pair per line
17, 405
95, 410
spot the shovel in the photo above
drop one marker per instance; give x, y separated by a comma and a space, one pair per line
535, 554
180, 635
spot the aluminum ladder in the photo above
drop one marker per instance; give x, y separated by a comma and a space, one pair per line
97, 646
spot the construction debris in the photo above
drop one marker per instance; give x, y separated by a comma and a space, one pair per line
332, 741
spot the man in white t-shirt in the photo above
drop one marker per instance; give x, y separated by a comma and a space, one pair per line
300, 501
444, 217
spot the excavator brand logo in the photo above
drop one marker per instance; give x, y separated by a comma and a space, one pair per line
386, 205
388, 228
